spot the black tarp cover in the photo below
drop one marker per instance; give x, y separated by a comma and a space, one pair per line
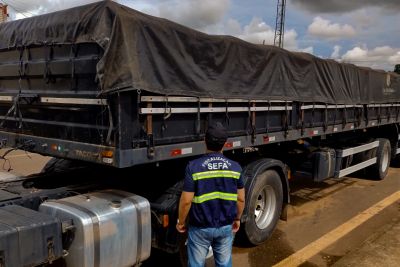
159, 56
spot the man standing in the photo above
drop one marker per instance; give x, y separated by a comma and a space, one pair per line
213, 196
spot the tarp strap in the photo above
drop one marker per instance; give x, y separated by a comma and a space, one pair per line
210, 116
302, 118
248, 130
198, 117
325, 126
227, 118
379, 114
137, 104
15, 106
47, 70
149, 132
344, 121
267, 118
286, 120
167, 114
111, 124
359, 115
253, 124
73, 55
312, 115
388, 110
17, 110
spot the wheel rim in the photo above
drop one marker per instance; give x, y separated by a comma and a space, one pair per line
265, 207
385, 160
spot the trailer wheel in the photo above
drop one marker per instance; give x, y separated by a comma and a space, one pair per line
383, 155
263, 207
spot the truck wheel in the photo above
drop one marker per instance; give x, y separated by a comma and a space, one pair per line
383, 155
263, 207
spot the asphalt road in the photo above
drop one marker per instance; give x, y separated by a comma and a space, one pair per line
326, 221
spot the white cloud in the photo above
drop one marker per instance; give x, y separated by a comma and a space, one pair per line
194, 13
383, 57
233, 27
340, 6
309, 50
324, 28
357, 53
395, 59
259, 32
336, 51
28, 8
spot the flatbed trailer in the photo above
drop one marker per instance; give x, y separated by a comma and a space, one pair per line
66, 96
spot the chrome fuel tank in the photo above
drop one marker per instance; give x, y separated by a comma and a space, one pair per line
112, 228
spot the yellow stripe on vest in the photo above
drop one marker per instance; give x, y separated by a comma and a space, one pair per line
215, 195
215, 174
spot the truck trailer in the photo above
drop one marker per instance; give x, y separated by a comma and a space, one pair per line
121, 100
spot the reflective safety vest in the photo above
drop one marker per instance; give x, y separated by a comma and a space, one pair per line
214, 179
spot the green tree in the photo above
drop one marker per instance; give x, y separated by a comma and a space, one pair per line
397, 68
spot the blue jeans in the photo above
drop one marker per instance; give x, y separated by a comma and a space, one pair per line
200, 239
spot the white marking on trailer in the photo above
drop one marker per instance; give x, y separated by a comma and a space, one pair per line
373, 123
398, 151
108, 160
314, 132
383, 105
358, 149
335, 129
352, 126
329, 106
77, 101
357, 167
339, 232
269, 139
186, 150
6, 98
236, 143
208, 110
205, 99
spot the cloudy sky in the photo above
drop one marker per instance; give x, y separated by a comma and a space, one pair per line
363, 32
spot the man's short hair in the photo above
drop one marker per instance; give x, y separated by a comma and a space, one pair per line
216, 137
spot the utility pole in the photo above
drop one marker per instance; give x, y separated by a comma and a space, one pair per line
280, 23
3, 13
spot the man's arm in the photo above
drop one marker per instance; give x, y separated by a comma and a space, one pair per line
240, 202
184, 206
239, 208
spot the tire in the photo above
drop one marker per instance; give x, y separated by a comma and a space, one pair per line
264, 202
383, 155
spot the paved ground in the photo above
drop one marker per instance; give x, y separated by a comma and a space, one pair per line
347, 222
381, 249
318, 209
